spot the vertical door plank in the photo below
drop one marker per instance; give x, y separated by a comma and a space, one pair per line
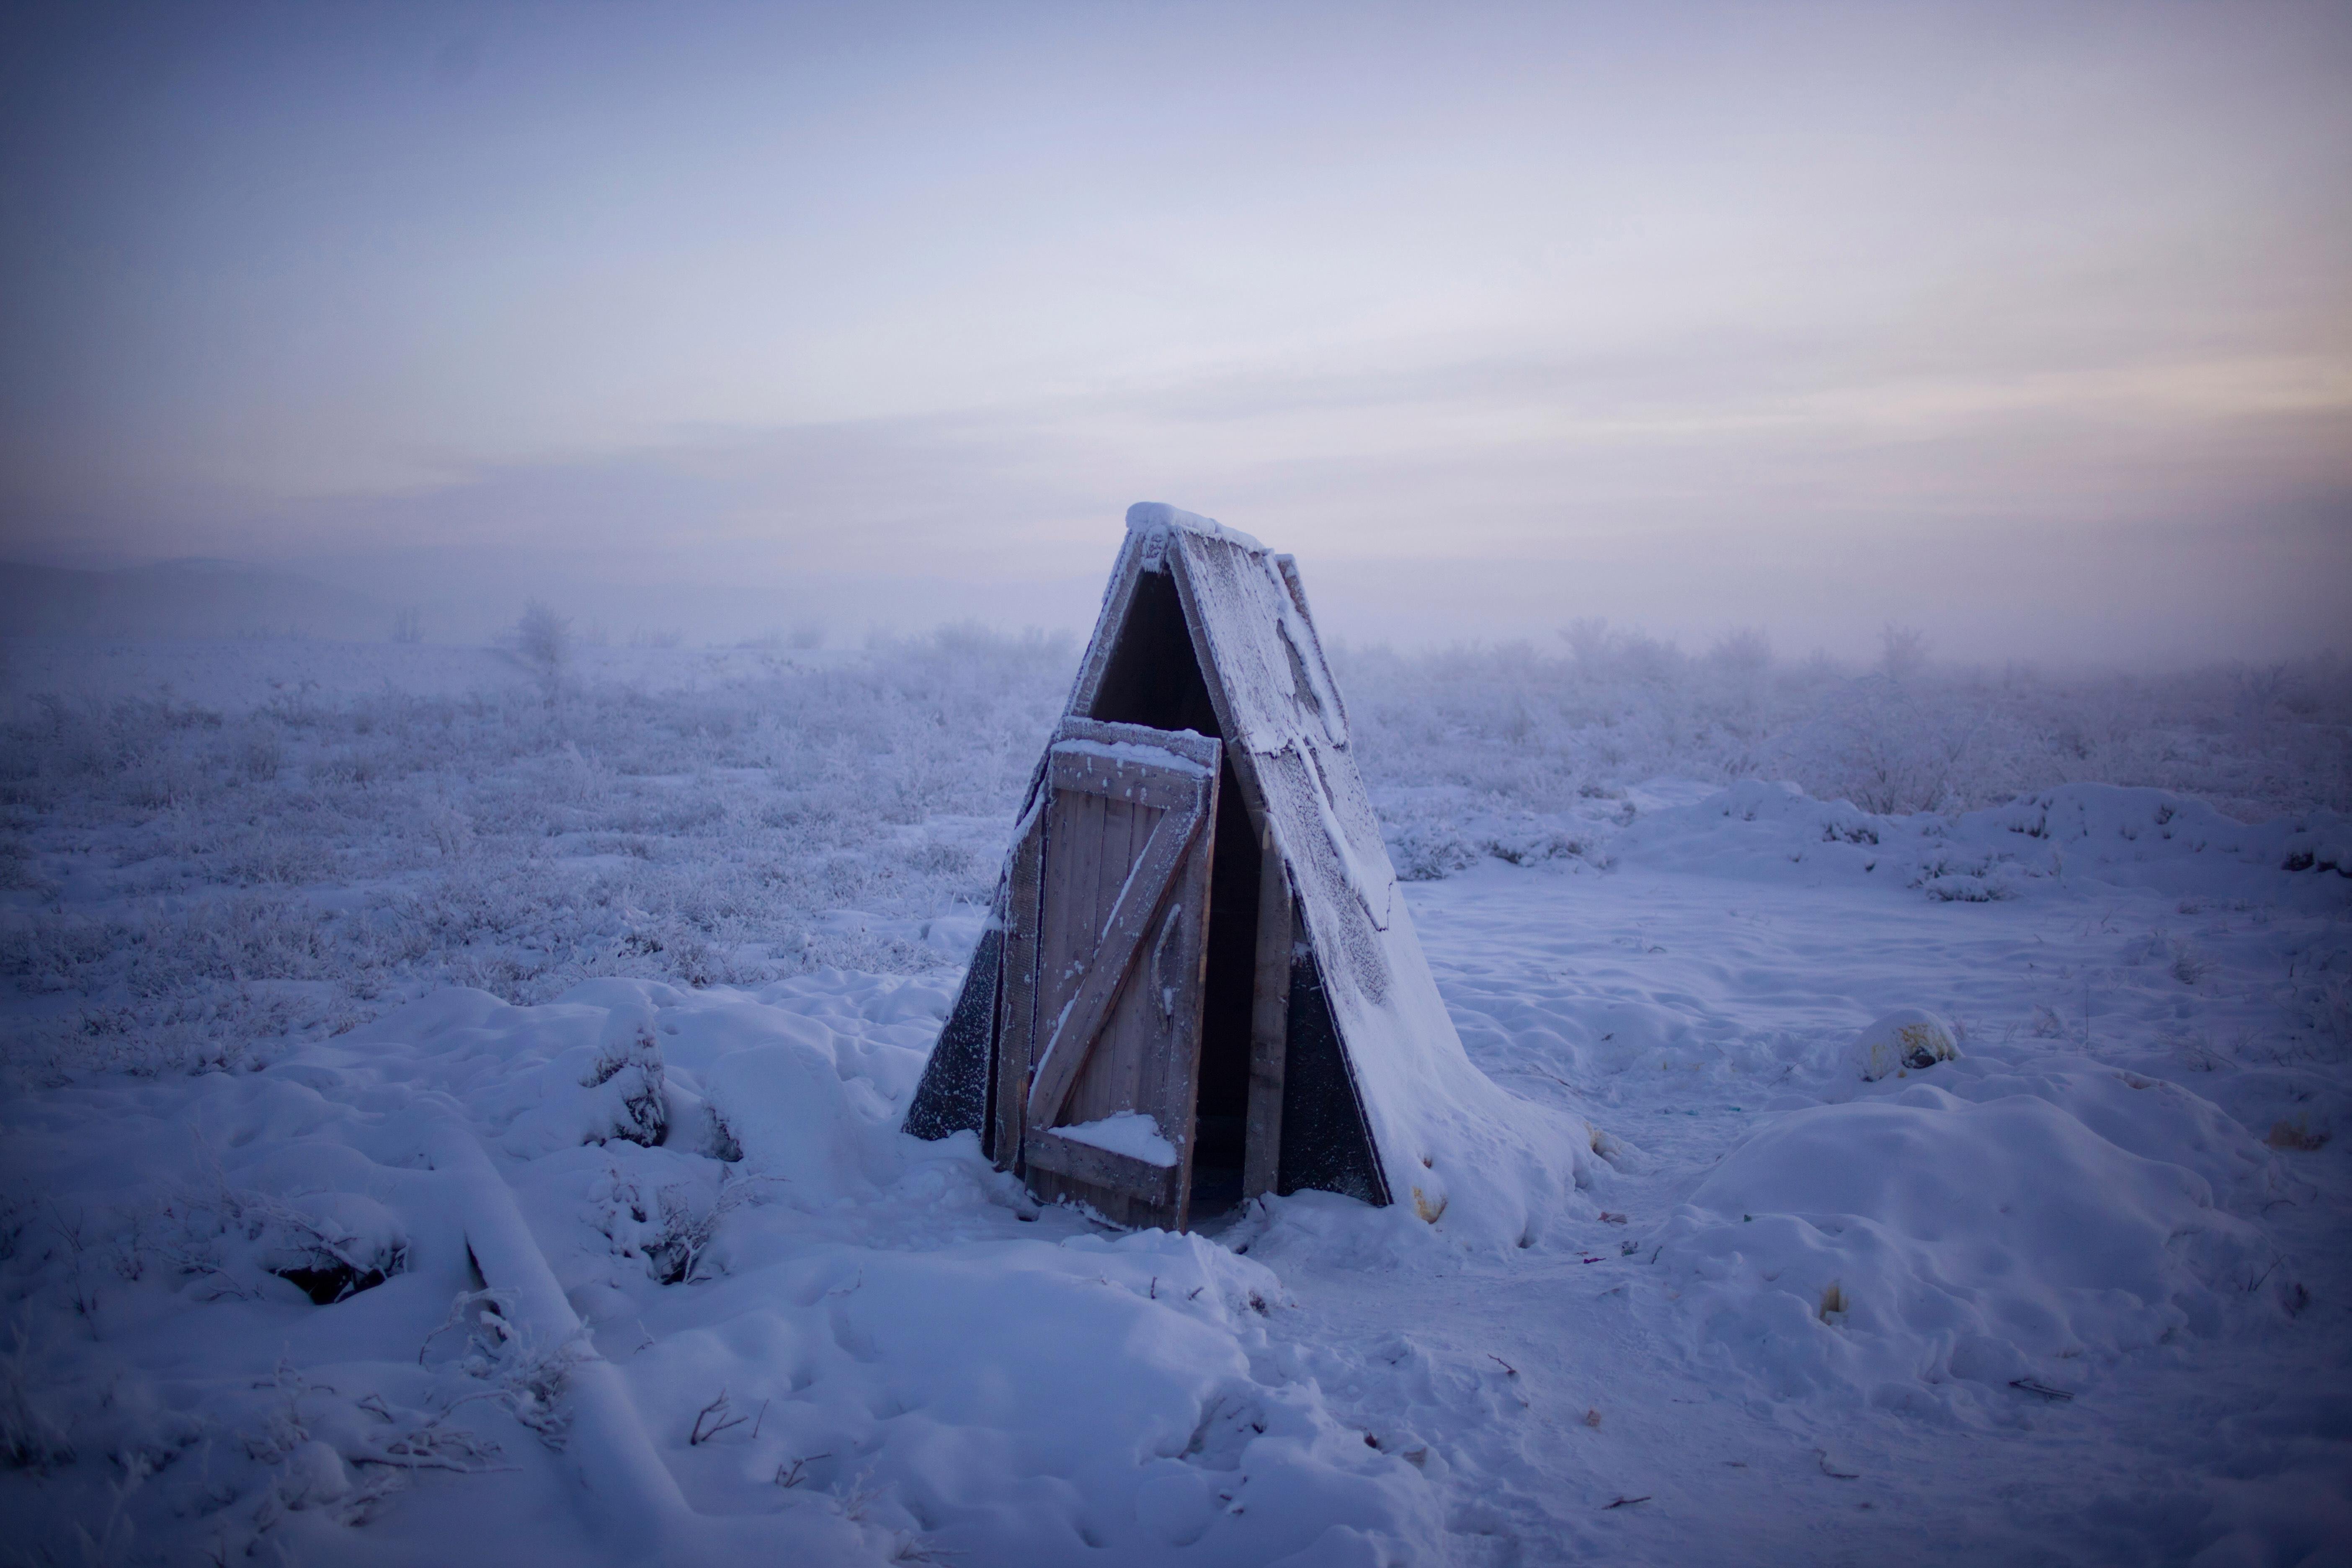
1188, 963
1269, 1022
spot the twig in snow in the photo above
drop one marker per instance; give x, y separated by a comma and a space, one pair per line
792, 1475
496, 1302
1823, 1455
1507, 1366
435, 1446
1625, 1502
715, 1412
862, 1495
760, 1422
85, 1296
2034, 1385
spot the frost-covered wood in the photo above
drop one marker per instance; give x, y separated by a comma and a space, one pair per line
1384, 1067
1269, 1022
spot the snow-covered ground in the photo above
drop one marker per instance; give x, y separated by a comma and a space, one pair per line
554, 1035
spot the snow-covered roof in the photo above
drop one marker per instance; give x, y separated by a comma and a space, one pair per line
1154, 518
1449, 1143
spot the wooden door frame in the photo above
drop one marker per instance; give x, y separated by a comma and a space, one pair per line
1277, 919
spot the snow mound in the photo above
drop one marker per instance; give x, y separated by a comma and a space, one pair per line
2149, 1116
1760, 830
840, 1345
1927, 1251
1908, 1039
722, 1073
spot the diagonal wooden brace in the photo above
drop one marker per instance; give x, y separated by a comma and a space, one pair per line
1122, 939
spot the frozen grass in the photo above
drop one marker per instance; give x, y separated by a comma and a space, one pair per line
184, 883
186, 880
1532, 728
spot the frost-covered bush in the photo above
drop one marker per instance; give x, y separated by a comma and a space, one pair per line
183, 882
291, 866
543, 640
1538, 730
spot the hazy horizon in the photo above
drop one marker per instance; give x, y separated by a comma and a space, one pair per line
2027, 327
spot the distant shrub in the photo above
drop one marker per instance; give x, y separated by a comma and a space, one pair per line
1512, 726
543, 640
279, 869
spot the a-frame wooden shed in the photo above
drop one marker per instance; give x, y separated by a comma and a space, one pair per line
1199, 982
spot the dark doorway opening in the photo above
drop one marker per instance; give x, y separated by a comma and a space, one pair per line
1154, 679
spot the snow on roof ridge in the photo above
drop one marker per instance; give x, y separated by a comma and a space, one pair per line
1156, 516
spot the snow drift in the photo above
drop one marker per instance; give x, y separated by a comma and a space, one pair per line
1936, 1245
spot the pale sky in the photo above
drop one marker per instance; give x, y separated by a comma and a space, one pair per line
2030, 326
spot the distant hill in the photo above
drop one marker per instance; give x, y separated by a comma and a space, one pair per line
182, 600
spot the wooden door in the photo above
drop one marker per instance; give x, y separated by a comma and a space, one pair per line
1106, 958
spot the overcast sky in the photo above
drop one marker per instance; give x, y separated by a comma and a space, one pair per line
2029, 326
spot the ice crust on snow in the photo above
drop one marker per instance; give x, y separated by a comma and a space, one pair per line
1129, 1132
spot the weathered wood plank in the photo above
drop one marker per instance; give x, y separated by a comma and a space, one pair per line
1188, 965
1067, 925
1200, 749
1155, 1185
1122, 1070
1017, 996
1204, 650
1269, 1022
1126, 779
1068, 1036
1107, 1081
1117, 1208
1270, 985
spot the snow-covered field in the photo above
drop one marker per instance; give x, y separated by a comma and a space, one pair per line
554, 1034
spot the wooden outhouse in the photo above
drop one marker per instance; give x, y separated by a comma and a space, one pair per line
1198, 982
